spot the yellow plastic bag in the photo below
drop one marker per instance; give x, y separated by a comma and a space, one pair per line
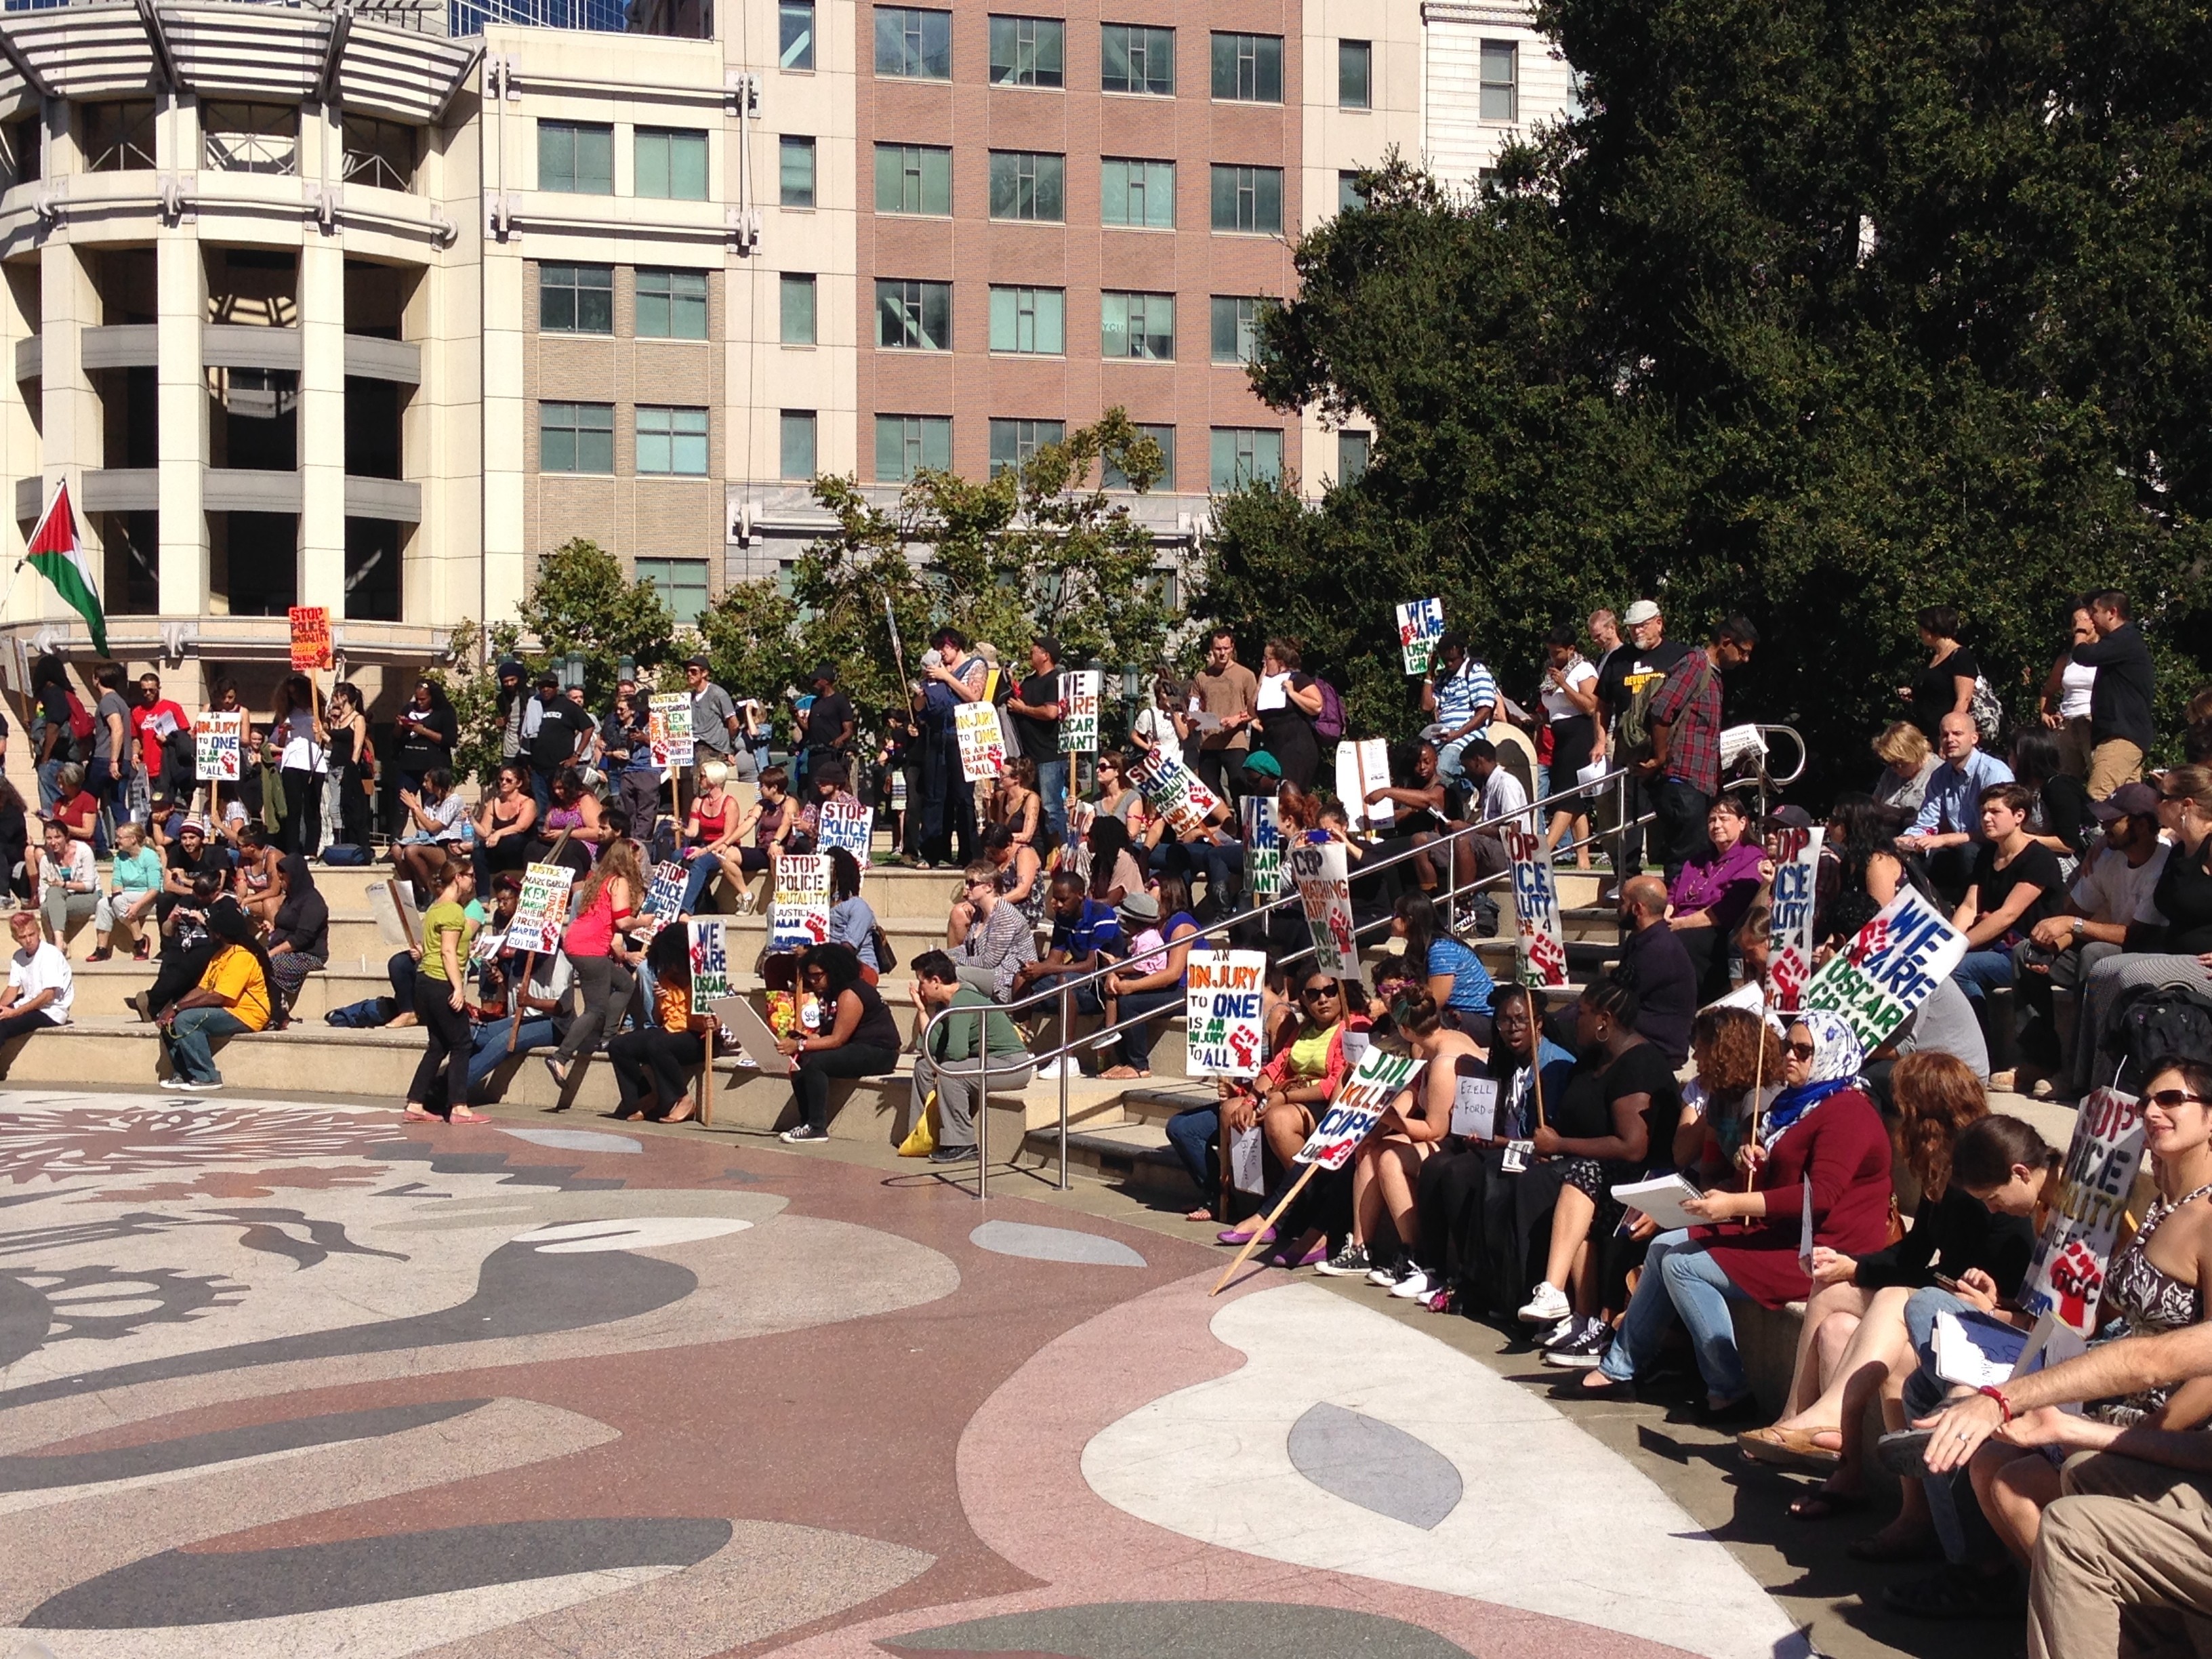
921, 1139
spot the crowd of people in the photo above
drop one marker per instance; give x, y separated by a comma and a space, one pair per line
2081, 876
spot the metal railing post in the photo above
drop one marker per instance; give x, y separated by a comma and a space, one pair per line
982, 1102
1066, 1037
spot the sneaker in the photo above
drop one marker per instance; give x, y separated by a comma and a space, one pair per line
1547, 1307
1058, 1066
1386, 1274
169, 1083
953, 1155
1349, 1262
1560, 1332
804, 1131
1582, 1350
1414, 1285
201, 1088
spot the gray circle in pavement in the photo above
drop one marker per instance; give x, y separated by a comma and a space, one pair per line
1053, 1244
1374, 1465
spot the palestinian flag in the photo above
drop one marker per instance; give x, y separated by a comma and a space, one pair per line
55, 552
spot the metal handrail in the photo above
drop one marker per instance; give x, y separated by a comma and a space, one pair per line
1064, 992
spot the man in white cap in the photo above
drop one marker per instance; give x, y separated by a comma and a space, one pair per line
1632, 677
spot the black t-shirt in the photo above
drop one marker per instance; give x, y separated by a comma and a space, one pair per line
1625, 666
431, 747
1586, 1112
826, 717
1934, 695
2037, 865
54, 716
1040, 739
553, 744
2184, 897
212, 860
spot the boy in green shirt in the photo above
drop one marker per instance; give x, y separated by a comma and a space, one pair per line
953, 1066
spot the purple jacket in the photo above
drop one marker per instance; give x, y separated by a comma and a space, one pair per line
1724, 886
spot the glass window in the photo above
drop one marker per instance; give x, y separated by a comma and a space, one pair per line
1028, 51
1138, 193
1236, 328
1114, 478
575, 298
1026, 184
1249, 199
798, 445
250, 137
681, 583
913, 43
913, 316
1014, 443
1501, 73
796, 171
1351, 456
1244, 453
1348, 193
672, 305
1135, 58
576, 437
670, 164
1355, 73
912, 179
671, 442
905, 444
117, 138
1028, 319
795, 35
380, 153
798, 307
576, 155
1248, 69
1140, 325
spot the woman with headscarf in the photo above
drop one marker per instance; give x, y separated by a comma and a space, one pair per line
300, 937
1822, 1147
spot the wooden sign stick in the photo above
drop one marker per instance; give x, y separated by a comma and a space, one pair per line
1536, 1072
530, 961
706, 1101
1262, 1231
1758, 1078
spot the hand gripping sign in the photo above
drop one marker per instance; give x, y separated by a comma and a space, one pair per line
1420, 624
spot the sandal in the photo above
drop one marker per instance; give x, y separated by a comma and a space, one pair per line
1198, 1215
684, 1117
1788, 1448
1822, 1505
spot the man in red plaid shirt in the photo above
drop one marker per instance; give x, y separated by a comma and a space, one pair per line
1685, 722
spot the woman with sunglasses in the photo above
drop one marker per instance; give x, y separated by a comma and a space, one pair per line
2155, 1283
2177, 955
1286, 1098
1823, 1130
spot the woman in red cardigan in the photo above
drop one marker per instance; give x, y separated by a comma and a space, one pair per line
1822, 1129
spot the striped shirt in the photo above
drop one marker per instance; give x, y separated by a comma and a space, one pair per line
1458, 696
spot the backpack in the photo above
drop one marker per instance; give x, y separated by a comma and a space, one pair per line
344, 855
1329, 723
1635, 728
1988, 711
80, 724
886, 958
2160, 1025
366, 1015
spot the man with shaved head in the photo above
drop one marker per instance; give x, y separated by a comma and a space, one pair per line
1656, 966
1950, 821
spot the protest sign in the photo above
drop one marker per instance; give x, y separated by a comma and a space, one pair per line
311, 637
1539, 929
668, 727
1890, 969
1474, 1104
1172, 790
1790, 950
1263, 846
1420, 623
2066, 1279
1078, 712
1081, 815
217, 739
982, 742
1325, 896
1248, 1170
710, 963
664, 894
1362, 767
542, 912
846, 825
398, 918
1361, 1100
1221, 995
801, 913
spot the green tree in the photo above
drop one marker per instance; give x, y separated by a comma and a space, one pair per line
1819, 313
580, 601
751, 635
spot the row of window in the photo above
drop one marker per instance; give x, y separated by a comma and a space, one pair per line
1029, 185
667, 163
670, 442
917, 316
913, 43
666, 304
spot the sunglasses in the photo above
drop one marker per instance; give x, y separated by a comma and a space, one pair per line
2167, 1099
1802, 1050
1319, 991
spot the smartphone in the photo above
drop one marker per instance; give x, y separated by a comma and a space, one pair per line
1946, 1282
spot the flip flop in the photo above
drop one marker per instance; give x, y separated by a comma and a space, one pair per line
1820, 1504
1903, 1452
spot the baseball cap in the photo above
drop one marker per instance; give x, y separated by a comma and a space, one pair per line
2130, 800
1643, 611
1790, 817
699, 663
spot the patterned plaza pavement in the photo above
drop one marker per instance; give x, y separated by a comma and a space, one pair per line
295, 1379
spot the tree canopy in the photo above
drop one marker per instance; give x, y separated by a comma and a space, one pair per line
1820, 310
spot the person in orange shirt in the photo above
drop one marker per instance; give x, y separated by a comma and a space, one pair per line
231, 999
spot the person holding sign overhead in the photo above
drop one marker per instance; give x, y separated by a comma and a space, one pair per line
1820, 1166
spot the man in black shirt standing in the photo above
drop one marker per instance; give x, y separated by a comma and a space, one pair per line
552, 730
829, 724
1632, 675
1035, 709
2120, 729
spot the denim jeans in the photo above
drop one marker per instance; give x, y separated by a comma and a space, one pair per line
1052, 790
187, 1042
1194, 1135
1678, 828
1681, 1280
488, 1050
702, 869
1960, 1526
1981, 972
49, 786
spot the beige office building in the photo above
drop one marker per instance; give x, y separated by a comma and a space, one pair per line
368, 306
